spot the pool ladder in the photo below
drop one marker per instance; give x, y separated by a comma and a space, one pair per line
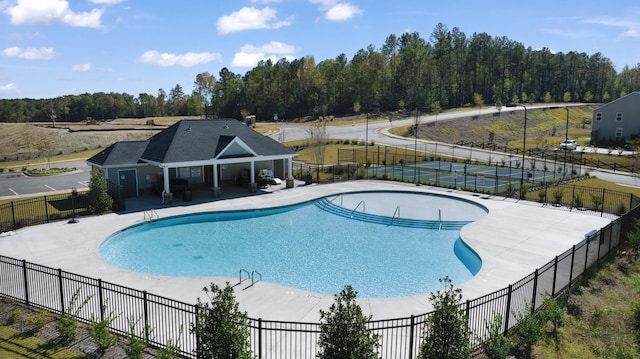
151, 216
397, 211
253, 276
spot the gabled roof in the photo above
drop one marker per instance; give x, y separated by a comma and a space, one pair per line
634, 96
193, 140
197, 140
119, 153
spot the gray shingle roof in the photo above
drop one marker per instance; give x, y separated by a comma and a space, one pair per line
196, 140
120, 153
190, 140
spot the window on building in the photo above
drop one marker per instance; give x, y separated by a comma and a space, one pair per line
619, 116
618, 132
598, 116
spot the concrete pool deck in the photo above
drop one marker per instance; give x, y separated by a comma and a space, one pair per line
514, 239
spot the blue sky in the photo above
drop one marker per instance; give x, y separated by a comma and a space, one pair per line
50, 48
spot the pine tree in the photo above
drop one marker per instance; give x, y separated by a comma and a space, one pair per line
99, 199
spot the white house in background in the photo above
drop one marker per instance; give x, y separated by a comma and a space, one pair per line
616, 122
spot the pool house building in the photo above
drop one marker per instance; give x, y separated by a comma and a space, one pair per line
208, 153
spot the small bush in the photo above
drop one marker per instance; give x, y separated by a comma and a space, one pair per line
496, 345
38, 320
100, 333
135, 345
14, 316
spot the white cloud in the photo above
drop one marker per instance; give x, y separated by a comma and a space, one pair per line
107, 2
43, 53
250, 55
8, 88
265, 1
186, 60
81, 68
336, 10
46, 12
250, 18
631, 28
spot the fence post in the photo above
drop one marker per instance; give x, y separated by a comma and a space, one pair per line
586, 255
145, 308
555, 274
602, 205
26, 282
46, 209
13, 216
61, 290
506, 314
259, 338
411, 334
573, 255
101, 299
535, 292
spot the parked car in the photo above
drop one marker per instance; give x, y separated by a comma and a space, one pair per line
568, 145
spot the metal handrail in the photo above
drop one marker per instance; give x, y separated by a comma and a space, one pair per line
363, 207
440, 219
246, 271
255, 272
151, 214
394, 214
338, 195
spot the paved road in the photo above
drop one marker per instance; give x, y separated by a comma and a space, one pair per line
15, 184
378, 132
18, 184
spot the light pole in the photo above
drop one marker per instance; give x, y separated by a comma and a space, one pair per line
566, 137
74, 194
415, 150
366, 146
566, 132
524, 147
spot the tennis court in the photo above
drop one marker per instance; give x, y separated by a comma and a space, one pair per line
473, 177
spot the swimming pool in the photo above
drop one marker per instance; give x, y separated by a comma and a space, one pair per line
312, 245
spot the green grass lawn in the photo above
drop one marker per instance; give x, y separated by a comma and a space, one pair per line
17, 345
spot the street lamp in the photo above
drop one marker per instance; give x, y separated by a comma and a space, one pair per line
366, 146
74, 194
524, 142
566, 132
566, 137
415, 150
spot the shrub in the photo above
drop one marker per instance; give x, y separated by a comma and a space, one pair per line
67, 325
171, 350
558, 195
14, 315
530, 328
446, 335
135, 345
100, 333
496, 345
38, 320
344, 332
99, 200
221, 329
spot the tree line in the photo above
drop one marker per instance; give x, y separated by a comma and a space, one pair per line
450, 69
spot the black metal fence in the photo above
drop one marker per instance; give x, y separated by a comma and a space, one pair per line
52, 289
39, 210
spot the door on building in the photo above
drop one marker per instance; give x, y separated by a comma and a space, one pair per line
127, 179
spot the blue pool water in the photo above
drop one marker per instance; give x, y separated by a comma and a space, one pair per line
301, 246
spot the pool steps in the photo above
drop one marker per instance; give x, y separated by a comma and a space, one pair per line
395, 220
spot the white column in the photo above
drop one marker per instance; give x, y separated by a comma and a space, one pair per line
290, 167
215, 175
165, 175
